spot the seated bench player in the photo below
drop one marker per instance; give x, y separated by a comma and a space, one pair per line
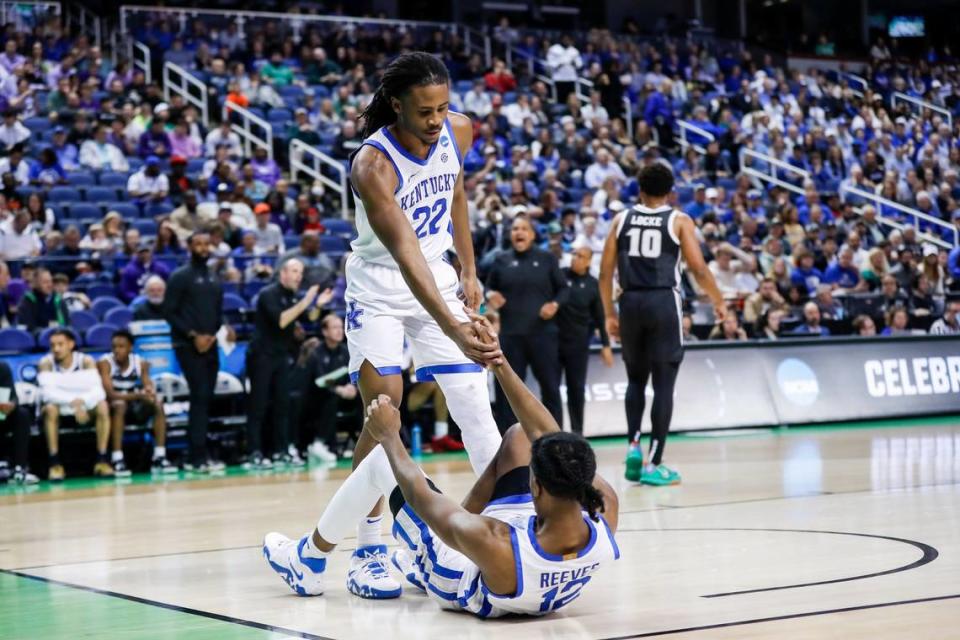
527, 539
133, 400
70, 386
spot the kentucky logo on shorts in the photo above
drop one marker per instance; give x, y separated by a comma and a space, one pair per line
353, 316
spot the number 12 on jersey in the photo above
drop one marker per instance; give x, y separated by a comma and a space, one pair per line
645, 243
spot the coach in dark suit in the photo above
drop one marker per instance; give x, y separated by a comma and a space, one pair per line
525, 284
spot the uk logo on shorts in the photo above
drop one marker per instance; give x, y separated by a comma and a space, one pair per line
353, 316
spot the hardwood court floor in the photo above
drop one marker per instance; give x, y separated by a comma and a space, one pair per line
806, 533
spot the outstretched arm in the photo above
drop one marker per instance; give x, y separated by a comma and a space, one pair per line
608, 264
375, 181
485, 541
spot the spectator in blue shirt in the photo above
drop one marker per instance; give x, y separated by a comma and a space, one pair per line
135, 275
842, 274
805, 274
699, 205
67, 154
953, 264
47, 172
811, 322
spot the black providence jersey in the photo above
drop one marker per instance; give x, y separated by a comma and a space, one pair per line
648, 250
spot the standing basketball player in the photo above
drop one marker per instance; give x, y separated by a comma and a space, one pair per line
644, 247
411, 208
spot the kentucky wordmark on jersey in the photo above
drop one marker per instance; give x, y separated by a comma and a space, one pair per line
424, 193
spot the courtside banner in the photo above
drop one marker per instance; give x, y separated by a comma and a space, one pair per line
788, 382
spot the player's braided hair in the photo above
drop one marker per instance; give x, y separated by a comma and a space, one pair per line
564, 464
416, 69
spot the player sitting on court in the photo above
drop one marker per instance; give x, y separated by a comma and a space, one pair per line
133, 400
526, 540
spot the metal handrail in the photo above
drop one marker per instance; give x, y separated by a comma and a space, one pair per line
88, 22
880, 203
146, 64
178, 80
299, 149
469, 34
692, 128
295, 19
773, 163
864, 85
923, 104
245, 129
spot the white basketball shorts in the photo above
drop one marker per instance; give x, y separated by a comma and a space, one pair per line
381, 312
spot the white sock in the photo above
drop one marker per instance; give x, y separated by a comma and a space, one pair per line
467, 401
311, 550
116, 456
440, 429
368, 532
159, 452
359, 493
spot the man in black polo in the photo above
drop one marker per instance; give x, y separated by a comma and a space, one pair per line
16, 419
270, 361
526, 286
578, 319
193, 306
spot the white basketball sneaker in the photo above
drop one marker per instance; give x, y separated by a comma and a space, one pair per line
402, 560
368, 576
285, 556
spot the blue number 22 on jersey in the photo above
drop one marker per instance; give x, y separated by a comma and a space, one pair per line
422, 214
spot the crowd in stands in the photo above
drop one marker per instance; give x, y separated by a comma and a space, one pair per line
103, 180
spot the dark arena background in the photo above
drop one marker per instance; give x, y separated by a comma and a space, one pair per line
815, 148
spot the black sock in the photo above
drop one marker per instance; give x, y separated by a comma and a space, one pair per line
664, 379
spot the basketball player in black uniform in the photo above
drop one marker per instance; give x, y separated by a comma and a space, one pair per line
644, 247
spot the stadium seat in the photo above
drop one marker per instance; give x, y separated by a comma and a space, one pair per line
291, 92
101, 194
145, 227
37, 124
112, 179
282, 116
233, 302
97, 291
462, 86
64, 194
291, 240
80, 178
157, 209
102, 305
128, 210
82, 320
119, 317
339, 227
332, 244
99, 335
15, 289
16, 340
252, 288
195, 165
85, 210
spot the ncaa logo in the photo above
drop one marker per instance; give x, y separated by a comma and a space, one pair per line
444, 141
798, 382
28, 372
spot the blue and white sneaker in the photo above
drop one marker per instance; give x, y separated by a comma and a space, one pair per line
402, 560
285, 556
368, 576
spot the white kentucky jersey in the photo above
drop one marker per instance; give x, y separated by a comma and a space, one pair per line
127, 379
75, 363
545, 581
424, 194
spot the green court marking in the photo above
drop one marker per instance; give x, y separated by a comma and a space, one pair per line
37, 610
87, 482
